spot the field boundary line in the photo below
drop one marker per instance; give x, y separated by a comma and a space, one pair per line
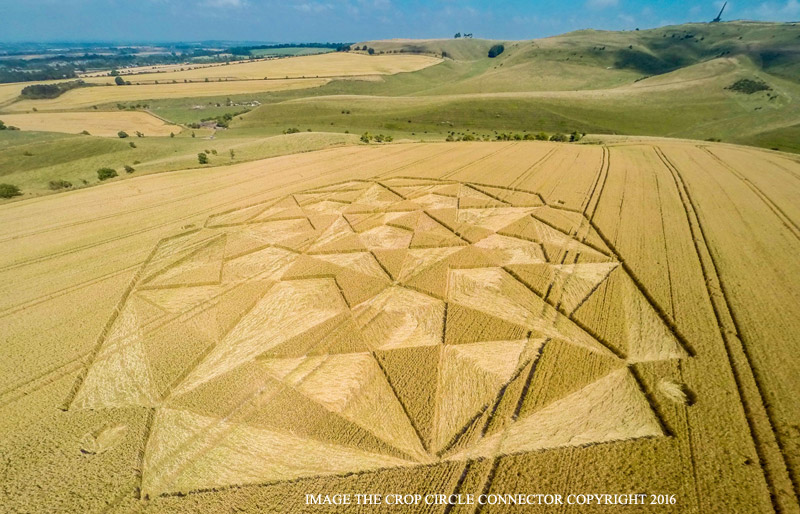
111, 320
13, 309
670, 324
765, 437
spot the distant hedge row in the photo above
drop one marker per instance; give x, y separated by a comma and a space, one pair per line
40, 91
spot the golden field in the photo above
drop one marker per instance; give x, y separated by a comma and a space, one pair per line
96, 123
87, 97
423, 318
231, 79
336, 64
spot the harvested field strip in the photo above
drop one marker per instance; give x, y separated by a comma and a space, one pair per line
317, 66
766, 438
106, 124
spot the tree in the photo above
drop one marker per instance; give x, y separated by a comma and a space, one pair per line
129, 169
496, 50
114, 73
366, 137
202, 158
106, 173
122, 134
9, 191
371, 51
458, 35
2, 125
119, 81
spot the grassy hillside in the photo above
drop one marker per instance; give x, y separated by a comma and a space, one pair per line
680, 81
31, 160
673, 81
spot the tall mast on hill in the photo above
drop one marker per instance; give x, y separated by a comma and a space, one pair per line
719, 16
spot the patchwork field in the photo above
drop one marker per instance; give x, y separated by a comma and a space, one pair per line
467, 318
96, 123
91, 96
336, 64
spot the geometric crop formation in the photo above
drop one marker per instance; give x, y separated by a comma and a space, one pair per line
376, 324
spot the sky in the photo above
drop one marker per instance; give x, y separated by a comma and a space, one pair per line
352, 20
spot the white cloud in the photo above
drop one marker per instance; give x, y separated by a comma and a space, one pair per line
776, 10
313, 7
627, 19
601, 4
229, 4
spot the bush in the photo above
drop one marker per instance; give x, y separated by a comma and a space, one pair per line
129, 169
559, 137
496, 50
293, 130
2, 125
106, 173
748, 86
55, 185
541, 136
85, 133
575, 136
366, 137
132, 144
202, 158
122, 134
9, 191
119, 81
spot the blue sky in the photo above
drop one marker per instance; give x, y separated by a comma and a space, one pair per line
352, 20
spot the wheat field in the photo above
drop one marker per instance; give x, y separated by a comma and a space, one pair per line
219, 79
87, 97
510, 317
336, 64
96, 123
